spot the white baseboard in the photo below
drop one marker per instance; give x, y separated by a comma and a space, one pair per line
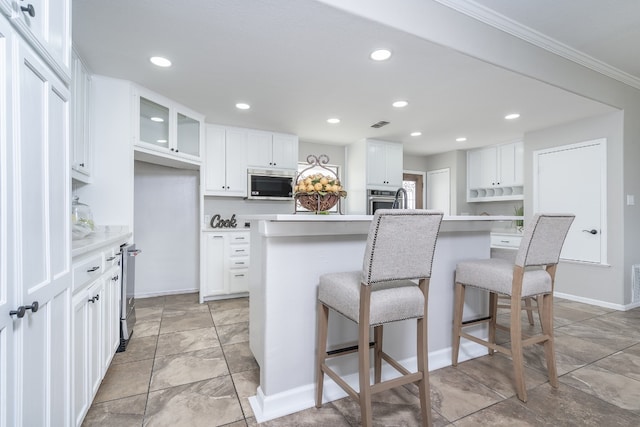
605, 304
277, 405
165, 293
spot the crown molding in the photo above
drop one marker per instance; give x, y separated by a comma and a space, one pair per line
503, 23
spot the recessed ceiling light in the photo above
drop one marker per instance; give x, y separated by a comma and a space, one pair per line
242, 106
380, 55
416, 133
157, 119
461, 139
160, 61
400, 104
512, 116
333, 120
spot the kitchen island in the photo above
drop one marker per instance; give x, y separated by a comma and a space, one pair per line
288, 255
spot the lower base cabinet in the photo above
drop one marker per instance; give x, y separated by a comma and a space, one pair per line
225, 260
95, 330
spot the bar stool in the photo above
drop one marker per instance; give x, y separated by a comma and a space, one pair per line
400, 247
532, 275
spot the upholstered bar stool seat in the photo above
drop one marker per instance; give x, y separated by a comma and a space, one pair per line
400, 249
532, 275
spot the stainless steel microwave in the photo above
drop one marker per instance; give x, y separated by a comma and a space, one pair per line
269, 184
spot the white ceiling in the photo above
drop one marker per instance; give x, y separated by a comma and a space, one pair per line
300, 62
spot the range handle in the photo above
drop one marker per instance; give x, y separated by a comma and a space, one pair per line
134, 252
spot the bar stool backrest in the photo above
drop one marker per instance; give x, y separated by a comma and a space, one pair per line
543, 239
400, 245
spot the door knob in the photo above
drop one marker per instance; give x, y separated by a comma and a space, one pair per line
592, 231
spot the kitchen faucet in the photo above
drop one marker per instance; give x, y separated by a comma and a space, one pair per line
396, 204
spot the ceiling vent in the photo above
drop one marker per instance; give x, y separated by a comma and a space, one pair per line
379, 124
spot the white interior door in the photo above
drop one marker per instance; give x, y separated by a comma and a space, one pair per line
572, 179
439, 190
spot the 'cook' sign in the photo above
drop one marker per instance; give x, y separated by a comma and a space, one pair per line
218, 222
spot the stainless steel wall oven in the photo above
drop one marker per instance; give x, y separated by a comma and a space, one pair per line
379, 199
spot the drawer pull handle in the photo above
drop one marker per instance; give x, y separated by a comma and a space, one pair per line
111, 258
239, 263
22, 310
239, 275
239, 238
504, 241
92, 269
239, 250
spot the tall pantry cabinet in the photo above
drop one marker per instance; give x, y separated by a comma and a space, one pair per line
35, 184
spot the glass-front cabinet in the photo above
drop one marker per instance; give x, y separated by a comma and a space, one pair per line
167, 129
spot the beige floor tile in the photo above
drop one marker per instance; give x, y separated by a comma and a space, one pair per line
608, 386
246, 384
206, 403
231, 316
239, 357
150, 302
234, 333
144, 314
184, 341
623, 363
126, 412
177, 320
139, 348
124, 380
146, 329
184, 368
228, 304
508, 413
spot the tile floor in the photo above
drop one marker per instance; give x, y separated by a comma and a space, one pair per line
190, 364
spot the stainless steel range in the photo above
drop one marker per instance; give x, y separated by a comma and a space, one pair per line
127, 305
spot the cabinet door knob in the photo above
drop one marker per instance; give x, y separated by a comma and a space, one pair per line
20, 311
29, 9
81, 165
33, 307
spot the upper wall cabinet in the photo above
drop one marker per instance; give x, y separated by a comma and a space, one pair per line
272, 150
225, 164
80, 121
167, 131
384, 165
495, 173
46, 26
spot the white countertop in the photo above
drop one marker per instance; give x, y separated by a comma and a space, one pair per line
103, 237
356, 218
317, 225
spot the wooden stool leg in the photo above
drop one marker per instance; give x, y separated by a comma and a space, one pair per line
547, 329
423, 366
516, 347
493, 314
377, 353
323, 321
457, 322
527, 304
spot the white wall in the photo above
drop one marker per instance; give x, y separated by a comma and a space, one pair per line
166, 206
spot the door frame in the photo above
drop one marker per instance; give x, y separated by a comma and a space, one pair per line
602, 144
424, 183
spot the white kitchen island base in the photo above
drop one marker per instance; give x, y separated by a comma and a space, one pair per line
290, 252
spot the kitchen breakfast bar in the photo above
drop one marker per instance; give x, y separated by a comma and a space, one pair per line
288, 255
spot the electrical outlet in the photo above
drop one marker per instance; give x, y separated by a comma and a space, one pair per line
631, 200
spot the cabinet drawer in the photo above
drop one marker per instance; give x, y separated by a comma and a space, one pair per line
87, 270
111, 257
238, 281
505, 241
239, 250
238, 262
239, 238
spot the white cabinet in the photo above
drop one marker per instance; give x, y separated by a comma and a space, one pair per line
505, 240
39, 201
80, 121
495, 173
46, 26
167, 131
225, 261
94, 324
272, 150
225, 165
384, 165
